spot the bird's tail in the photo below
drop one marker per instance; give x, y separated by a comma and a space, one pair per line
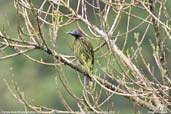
89, 83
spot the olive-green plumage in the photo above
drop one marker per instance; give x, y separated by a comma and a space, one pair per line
83, 50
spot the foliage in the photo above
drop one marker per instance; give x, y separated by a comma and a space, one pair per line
122, 37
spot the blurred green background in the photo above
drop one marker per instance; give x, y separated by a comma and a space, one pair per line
38, 81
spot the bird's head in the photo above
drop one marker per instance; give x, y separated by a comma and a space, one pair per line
76, 33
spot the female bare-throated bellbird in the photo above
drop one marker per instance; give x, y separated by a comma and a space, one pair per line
83, 50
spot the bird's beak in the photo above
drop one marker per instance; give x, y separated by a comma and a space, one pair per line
70, 32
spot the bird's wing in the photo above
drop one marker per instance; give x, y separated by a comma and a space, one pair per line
84, 52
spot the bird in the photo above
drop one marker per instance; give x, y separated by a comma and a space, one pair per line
83, 51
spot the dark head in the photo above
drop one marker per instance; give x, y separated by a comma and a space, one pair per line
76, 33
